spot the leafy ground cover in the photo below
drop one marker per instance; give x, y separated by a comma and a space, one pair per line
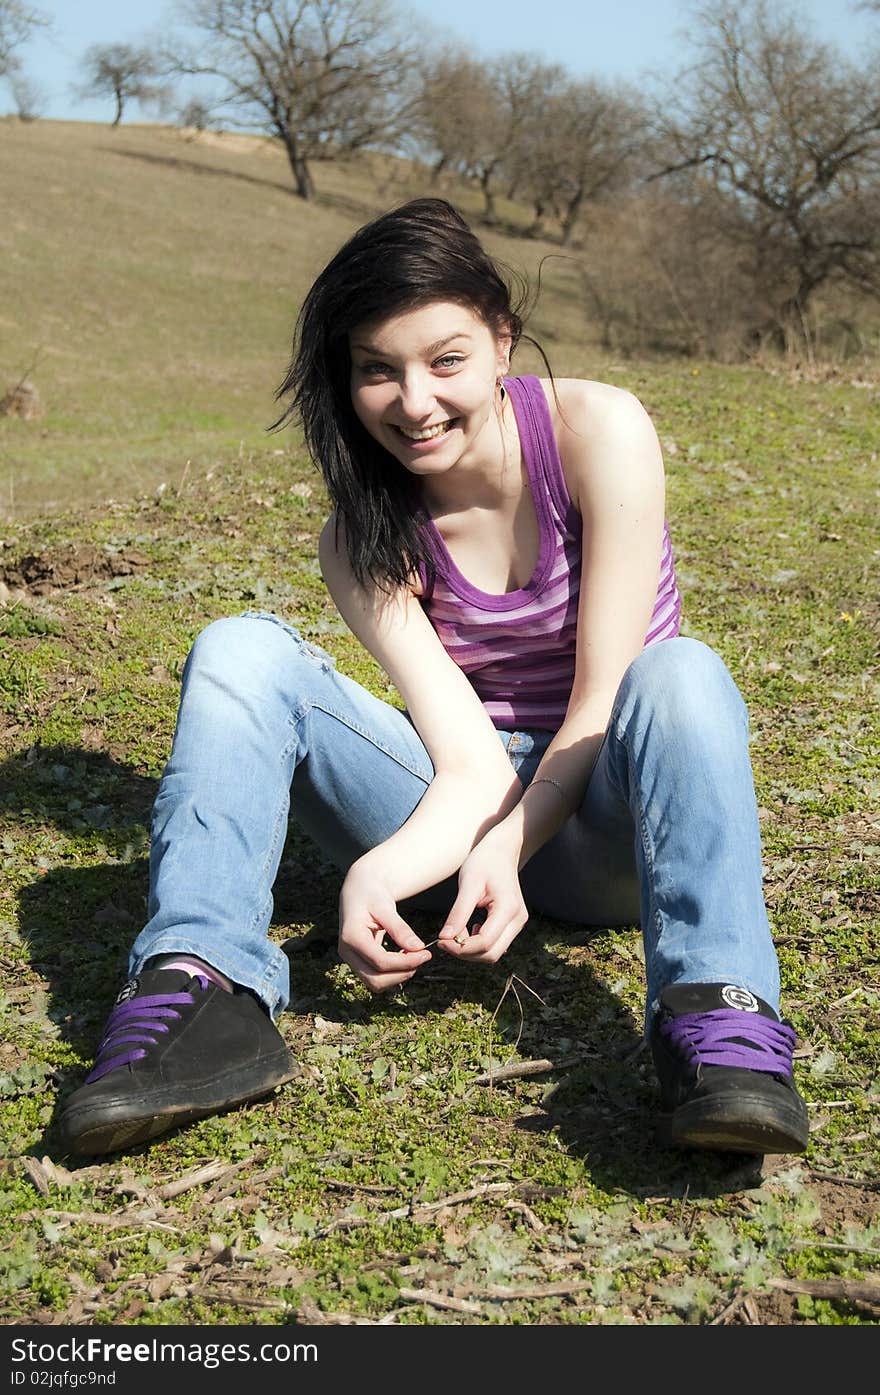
479, 1148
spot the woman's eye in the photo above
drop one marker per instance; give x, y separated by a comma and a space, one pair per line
448, 361
375, 370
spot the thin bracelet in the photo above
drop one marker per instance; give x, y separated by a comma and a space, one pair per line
546, 780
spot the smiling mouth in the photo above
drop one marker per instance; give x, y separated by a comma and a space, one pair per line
427, 433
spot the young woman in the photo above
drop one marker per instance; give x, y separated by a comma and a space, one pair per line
499, 545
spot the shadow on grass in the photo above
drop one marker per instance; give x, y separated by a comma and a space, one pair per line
601, 1100
78, 923
194, 167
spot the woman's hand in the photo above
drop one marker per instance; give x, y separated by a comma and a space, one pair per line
488, 882
367, 913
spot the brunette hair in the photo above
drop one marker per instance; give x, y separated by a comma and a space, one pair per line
408, 257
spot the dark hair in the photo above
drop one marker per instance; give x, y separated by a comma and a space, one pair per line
410, 256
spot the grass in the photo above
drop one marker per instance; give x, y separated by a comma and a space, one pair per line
386, 1183
154, 281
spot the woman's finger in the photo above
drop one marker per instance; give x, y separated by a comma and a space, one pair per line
378, 982
403, 935
367, 946
501, 926
465, 906
365, 934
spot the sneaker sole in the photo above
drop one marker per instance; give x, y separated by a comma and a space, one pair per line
108, 1125
735, 1124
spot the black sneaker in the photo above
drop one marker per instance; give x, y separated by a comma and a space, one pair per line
724, 1062
175, 1048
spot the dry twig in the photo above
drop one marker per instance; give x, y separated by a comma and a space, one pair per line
517, 1070
211, 1172
526, 1211
560, 1290
850, 1290
730, 1309
870, 1183
454, 1198
440, 1300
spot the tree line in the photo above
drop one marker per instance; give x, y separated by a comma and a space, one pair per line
717, 206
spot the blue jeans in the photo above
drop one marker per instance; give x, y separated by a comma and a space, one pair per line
667, 835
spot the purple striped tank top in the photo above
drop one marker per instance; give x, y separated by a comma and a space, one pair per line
518, 649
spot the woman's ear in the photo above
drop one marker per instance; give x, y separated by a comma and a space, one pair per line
503, 343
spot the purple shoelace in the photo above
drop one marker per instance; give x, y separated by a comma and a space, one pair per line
732, 1038
139, 1020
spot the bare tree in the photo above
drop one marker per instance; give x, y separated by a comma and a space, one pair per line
123, 72
601, 133
457, 97
17, 24
480, 119
580, 145
28, 95
325, 77
528, 89
780, 135
465, 120
530, 162
196, 115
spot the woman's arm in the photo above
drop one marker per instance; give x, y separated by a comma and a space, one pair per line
473, 786
615, 470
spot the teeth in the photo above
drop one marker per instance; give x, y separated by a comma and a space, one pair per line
427, 434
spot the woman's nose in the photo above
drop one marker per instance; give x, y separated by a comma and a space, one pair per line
416, 395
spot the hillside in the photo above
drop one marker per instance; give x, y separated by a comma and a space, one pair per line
155, 279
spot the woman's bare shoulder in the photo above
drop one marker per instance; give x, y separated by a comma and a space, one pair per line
585, 405
589, 416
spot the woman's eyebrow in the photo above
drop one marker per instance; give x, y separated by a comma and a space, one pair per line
441, 343
428, 351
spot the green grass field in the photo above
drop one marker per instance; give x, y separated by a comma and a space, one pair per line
158, 279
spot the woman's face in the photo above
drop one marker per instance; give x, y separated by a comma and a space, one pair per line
424, 384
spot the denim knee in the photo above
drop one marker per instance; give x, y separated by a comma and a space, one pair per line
256, 646
680, 681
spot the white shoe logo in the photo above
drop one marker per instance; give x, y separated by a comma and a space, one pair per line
739, 998
128, 990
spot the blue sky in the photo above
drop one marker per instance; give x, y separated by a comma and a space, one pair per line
601, 38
